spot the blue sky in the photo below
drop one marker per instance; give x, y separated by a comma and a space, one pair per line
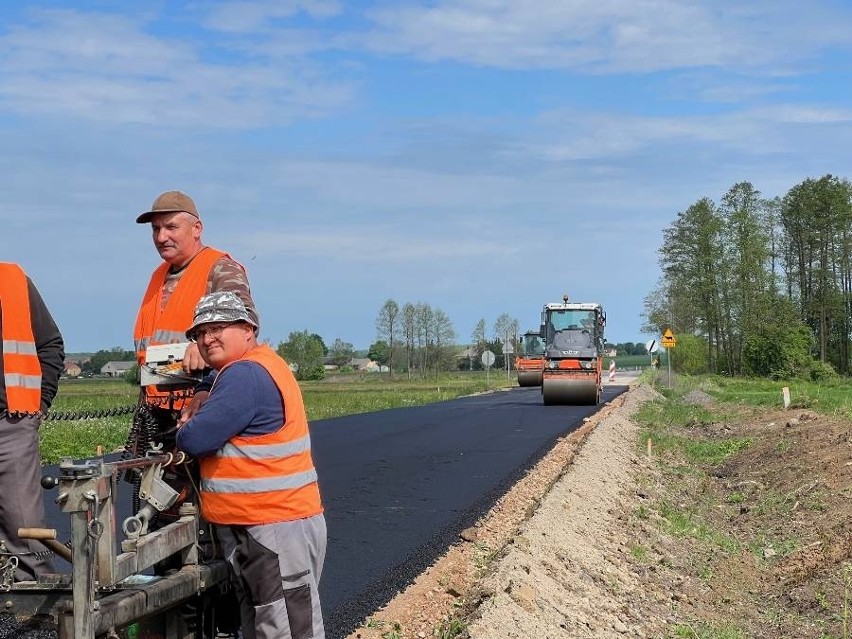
483, 156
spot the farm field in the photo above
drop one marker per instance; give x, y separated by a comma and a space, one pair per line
343, 394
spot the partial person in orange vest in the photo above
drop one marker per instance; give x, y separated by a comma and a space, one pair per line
32, 358
258, 481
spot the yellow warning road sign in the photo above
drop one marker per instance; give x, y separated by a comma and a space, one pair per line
668, 340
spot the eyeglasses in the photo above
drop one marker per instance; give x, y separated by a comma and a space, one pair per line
214, 332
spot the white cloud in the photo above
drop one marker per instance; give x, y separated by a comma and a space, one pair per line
609, 35
109, 68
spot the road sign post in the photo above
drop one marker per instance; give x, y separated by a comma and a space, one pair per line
487, 361
669, 342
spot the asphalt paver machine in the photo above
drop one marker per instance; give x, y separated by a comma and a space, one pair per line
111, 591
573, 336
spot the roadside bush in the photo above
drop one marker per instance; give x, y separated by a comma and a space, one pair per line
779, 353
690, 355
131, 376
822, 371
313, 374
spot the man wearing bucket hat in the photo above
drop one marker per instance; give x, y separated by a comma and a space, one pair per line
258, 481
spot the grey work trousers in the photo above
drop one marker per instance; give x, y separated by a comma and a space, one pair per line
276, 573
21, 501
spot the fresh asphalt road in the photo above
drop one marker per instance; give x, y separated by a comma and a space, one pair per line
399, 485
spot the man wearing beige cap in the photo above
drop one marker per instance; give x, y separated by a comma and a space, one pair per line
188, 271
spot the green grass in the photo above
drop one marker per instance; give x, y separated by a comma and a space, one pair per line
335, 397
702, 630
682, 522
658, 419
353, 394
450, 628
833, 397
639, 553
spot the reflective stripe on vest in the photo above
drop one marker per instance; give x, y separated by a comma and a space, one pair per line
267, 451
21, 366
157, 325
265, 478
258, 485
20, 348
24, 381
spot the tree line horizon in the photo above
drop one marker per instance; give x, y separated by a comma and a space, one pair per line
759, 286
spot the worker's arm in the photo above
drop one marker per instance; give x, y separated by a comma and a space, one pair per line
244, 401
49, 346
229, 275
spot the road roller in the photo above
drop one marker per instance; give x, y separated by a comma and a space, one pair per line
573, 335
530, 360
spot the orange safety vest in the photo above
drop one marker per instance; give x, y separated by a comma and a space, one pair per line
263, 479
158, 325
21, 366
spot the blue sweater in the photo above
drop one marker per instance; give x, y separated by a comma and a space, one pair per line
244, 401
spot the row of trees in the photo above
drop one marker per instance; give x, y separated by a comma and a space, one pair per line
419, 339
628, 348
308, 354
416, 338
759, 286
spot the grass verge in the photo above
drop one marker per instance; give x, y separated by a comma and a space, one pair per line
336, 397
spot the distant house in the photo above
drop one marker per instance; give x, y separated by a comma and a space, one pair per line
361, 363
116, 369
71, 369
366, 365
469, 352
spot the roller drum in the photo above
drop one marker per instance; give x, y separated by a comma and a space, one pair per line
529, 378
571, 391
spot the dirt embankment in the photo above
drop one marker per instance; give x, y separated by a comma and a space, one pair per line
602, 540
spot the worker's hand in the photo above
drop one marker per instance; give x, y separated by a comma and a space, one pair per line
193, 407
192, 360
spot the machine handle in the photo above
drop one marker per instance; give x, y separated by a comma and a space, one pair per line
46, 536
37, 533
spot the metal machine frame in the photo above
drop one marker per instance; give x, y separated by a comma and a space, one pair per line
107, 589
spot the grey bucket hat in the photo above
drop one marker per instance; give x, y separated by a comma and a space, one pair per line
223, 307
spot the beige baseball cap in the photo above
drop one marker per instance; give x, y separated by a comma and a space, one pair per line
170, 202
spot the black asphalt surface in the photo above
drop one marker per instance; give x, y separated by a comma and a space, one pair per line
399, 485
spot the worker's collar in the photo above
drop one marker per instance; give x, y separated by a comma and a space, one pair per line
174, 270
